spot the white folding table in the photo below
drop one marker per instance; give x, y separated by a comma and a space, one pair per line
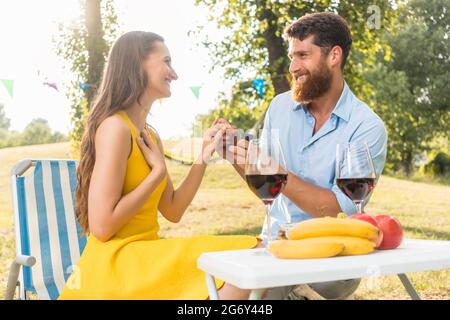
256, 270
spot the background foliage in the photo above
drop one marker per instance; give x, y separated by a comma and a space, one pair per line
84, 45
399, 64
37, 131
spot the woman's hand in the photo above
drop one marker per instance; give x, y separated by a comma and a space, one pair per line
229, 140
212, 138
152, 154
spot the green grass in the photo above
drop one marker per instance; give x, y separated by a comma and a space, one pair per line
420, 177
224, 205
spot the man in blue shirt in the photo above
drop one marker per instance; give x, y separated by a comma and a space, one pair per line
319, 112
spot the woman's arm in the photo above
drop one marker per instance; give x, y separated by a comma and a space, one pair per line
108, 210
173, 202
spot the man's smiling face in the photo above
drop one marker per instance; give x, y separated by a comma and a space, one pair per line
311, 75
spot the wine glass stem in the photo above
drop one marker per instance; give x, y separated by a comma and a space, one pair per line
269, 227
358, 206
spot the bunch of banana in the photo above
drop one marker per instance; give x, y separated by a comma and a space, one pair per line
326, 237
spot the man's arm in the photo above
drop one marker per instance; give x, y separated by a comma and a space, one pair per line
317, 201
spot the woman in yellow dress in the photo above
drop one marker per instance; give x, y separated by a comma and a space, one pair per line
123, 182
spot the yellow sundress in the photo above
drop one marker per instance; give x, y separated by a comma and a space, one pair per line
135, 263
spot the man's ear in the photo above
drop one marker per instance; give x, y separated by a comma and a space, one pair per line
335, 56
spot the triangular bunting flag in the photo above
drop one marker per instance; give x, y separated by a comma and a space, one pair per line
196, 91
9, 85
259, 86
84, 86
51, 85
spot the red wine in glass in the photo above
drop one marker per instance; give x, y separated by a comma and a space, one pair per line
265, 173
356, 189
355, 172
266, 186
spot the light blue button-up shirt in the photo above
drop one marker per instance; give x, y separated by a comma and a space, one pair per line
312, 157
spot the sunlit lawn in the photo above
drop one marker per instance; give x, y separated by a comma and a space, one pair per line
224, 205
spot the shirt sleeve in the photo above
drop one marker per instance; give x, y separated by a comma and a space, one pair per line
374, 133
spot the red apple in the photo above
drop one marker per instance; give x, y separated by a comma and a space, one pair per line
370, 219
365, 217
392, 231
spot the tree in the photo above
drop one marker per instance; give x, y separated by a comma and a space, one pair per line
37, 132
396, 105
13, 139
255, 48
427, 67
58, 137
85, 45
410, 91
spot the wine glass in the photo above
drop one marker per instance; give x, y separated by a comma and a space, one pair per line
355, 173
265, 173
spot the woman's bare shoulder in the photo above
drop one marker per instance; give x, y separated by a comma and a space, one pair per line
113, 131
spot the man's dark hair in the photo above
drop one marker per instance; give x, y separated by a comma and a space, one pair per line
329, 30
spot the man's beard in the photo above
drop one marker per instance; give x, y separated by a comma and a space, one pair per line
315, 85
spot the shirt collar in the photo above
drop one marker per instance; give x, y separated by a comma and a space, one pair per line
342, 108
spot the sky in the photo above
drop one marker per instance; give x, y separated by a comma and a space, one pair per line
27, 56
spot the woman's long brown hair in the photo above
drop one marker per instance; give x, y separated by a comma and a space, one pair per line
123, 84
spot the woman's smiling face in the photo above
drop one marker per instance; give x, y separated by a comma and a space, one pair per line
159, 71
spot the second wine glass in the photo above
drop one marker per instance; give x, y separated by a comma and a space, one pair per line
265, 173
355, 173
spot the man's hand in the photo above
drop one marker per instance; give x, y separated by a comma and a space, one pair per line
239, 153
232, 149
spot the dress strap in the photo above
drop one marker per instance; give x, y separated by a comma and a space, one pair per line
130, 124
152, 133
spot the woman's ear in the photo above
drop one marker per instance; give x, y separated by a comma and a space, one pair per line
144, 75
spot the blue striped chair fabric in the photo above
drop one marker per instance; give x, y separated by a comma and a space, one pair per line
48, 229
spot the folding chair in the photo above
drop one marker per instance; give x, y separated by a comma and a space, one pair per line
48, 238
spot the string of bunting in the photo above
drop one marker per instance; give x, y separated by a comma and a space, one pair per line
9, 86
258, 84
